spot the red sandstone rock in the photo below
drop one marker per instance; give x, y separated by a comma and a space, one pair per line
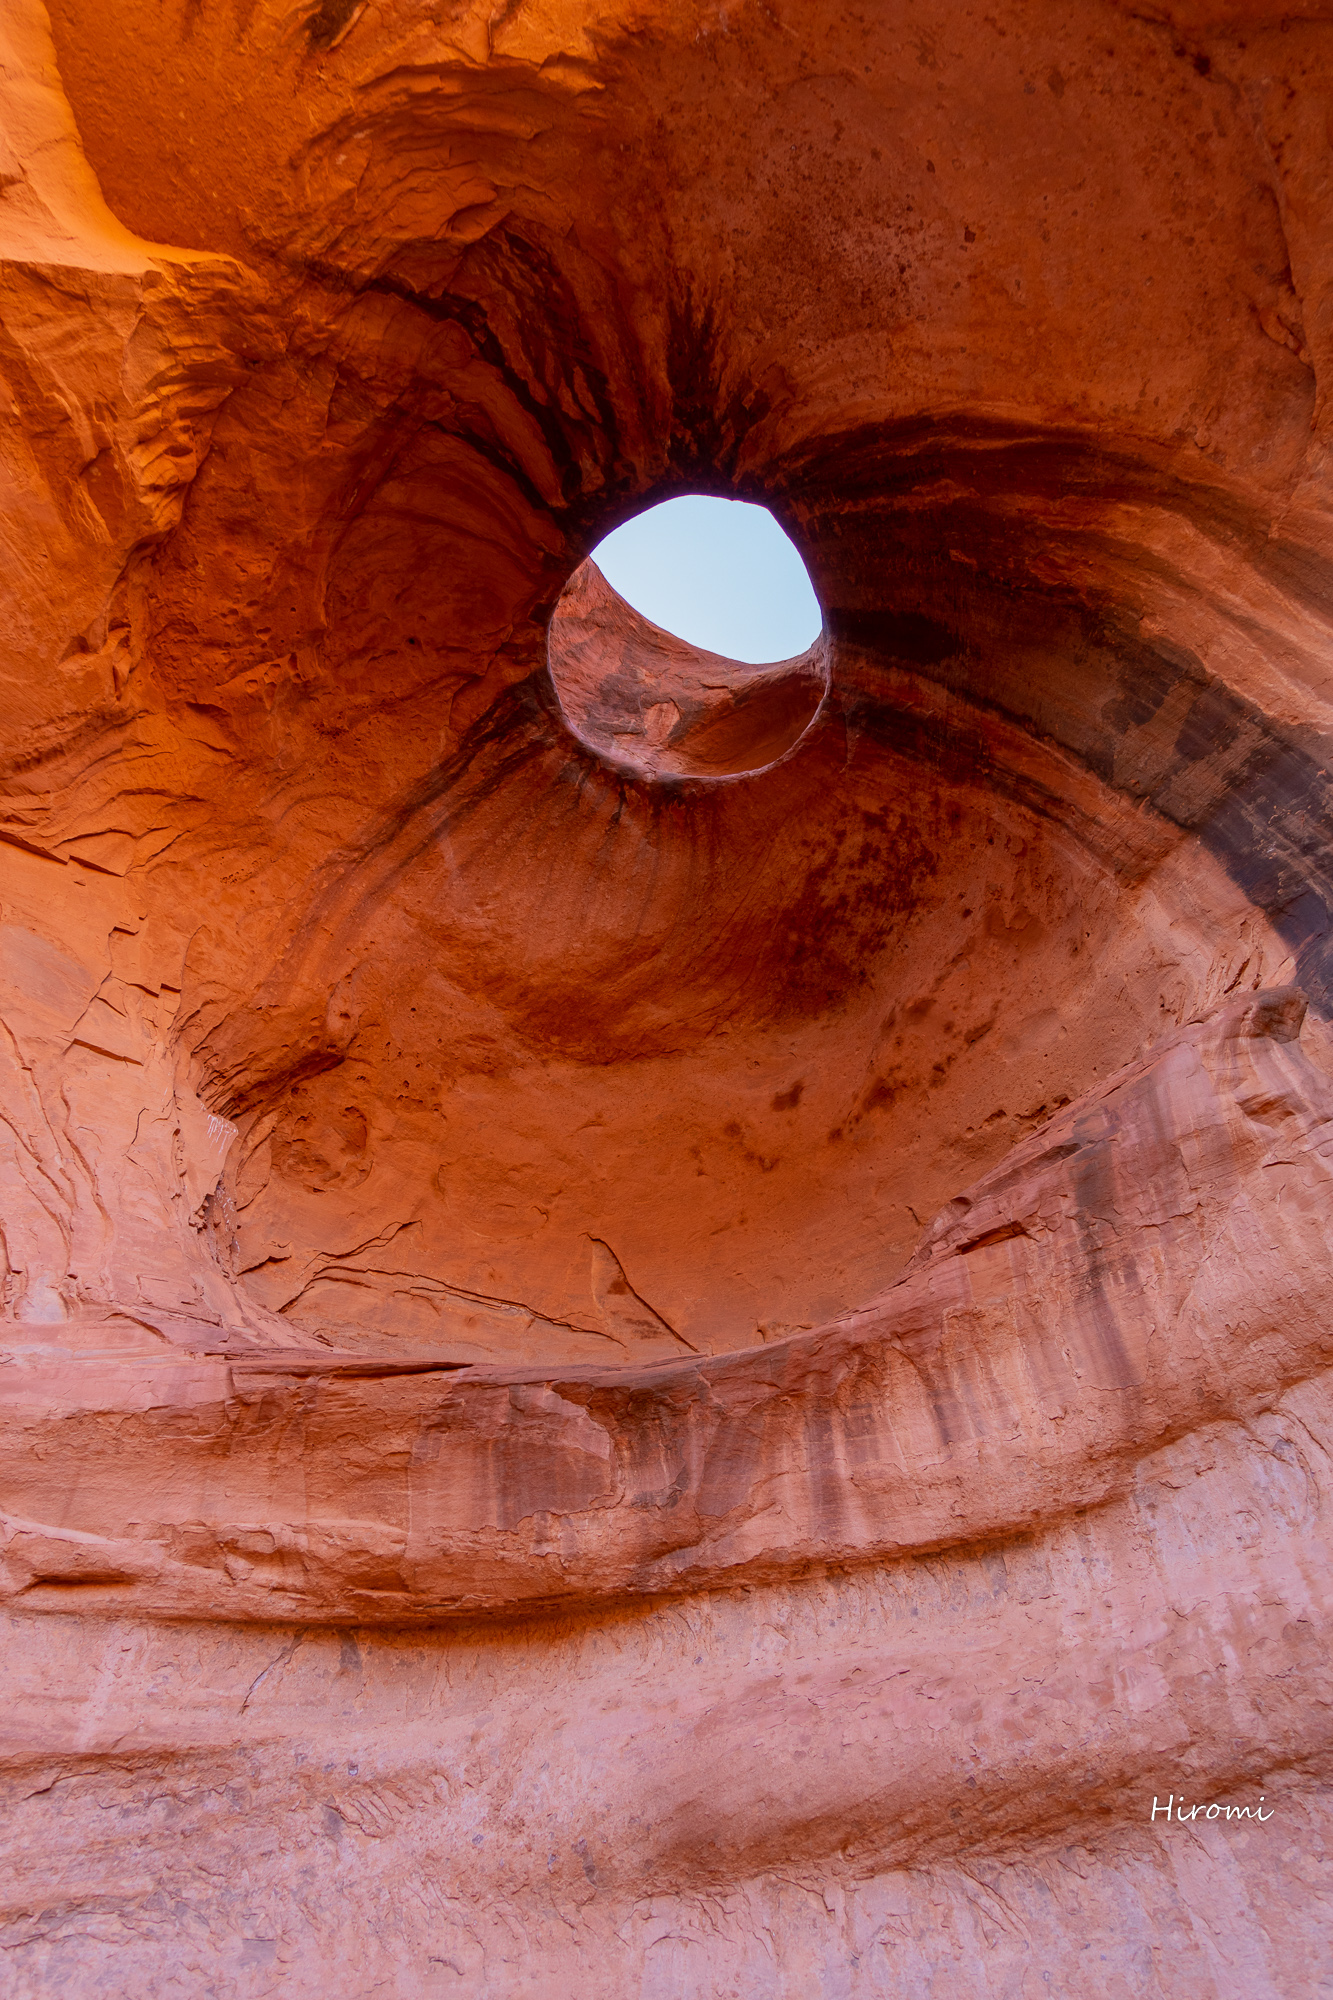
477, 1076
1151, 1260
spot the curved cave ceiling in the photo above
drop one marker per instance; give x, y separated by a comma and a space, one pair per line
548, 1036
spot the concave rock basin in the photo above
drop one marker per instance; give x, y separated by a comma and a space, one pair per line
665, 1324
682, 1065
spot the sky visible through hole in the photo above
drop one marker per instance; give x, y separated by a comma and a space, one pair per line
720, 574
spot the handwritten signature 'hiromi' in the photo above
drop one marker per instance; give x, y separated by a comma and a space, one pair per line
1211, 1811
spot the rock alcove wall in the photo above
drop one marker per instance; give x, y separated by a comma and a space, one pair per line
674, 1342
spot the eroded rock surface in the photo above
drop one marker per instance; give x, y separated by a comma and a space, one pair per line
665, 1326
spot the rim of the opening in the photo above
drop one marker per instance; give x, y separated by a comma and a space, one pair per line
822, 645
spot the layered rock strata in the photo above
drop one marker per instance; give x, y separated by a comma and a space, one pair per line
1150, 1261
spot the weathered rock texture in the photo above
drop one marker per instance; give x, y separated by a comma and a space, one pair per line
667, 1328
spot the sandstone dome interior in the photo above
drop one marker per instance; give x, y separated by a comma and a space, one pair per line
545, 1037
724, 980
667, 1322
553, 1038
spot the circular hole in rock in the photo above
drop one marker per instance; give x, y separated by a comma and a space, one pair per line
690, 644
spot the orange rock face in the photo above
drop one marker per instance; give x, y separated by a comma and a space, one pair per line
665, 1326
